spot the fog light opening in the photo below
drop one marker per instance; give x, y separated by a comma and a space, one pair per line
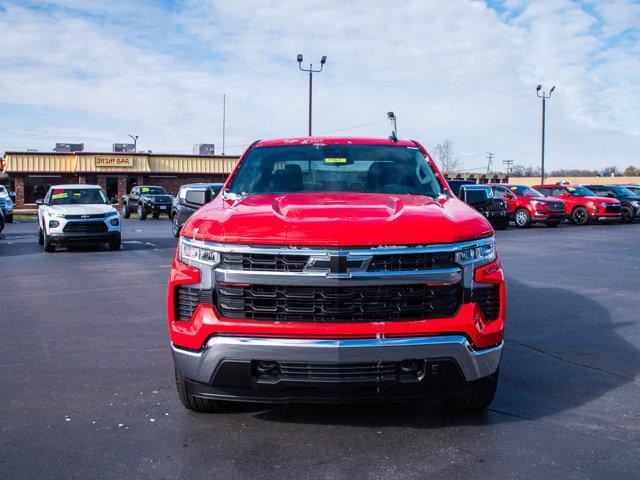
267, 367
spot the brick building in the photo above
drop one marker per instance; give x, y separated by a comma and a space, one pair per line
30, 174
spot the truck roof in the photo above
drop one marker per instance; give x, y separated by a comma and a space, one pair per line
333, 140
76, 186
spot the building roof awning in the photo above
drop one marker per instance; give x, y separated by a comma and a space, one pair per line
97, 162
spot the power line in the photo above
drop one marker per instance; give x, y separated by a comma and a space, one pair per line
354, 127
490, 158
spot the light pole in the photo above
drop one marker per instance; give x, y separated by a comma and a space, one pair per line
544, 97
311, 71
135, 142
392, 116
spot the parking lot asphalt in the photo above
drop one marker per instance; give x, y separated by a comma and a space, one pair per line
87, 390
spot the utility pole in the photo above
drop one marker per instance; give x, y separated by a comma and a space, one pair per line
135, 142
311, 71
508, 163
544, 96
490, 158
224, 114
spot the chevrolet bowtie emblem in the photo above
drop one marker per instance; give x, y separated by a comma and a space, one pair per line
337, 264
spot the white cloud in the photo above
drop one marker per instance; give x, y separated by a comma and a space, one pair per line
455, 69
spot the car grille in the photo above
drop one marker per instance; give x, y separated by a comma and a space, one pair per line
383, 371
488, 299
616, 209
85, 227
555, 206
3, 202
296, 263
187, 299
337, 304
91, 215
495, 206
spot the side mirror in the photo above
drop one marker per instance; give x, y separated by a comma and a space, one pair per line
609, 194
509, 196
114, 201
196, 198
475, 195
12, 195
39, 202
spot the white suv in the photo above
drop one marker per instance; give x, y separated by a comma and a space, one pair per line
77, 214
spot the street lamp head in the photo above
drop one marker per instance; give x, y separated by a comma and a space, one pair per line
323, 60
538, 88
552, 89
391, 115
299, 58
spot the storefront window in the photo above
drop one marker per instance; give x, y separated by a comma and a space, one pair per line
35, 187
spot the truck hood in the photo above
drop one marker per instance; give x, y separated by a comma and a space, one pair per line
90, 209
336, 219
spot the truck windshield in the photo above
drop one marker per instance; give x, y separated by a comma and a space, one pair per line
152, 191
78, 196
335, 168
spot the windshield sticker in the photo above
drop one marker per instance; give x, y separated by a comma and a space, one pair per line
335, 160
77, 194
60, 195
571, 189
145, 189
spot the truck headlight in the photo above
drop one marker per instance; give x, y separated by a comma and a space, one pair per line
56, 215
110, 214
198, 252
486, 251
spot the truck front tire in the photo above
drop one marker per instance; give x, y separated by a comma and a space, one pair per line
126, 211
196, 404
142, 212
115, 244
476, 402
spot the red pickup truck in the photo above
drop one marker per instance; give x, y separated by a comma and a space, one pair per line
582, 205
528, 206
336, 270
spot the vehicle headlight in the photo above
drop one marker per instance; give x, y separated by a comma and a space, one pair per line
636, 203
57, 215
110, 214
199, 252
486, 251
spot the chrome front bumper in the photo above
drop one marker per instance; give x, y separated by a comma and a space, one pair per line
202, 366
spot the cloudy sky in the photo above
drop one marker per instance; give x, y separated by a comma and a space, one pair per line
94, 71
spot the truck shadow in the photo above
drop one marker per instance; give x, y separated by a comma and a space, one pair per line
562, 351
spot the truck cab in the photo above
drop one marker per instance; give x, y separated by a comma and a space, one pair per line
335, 269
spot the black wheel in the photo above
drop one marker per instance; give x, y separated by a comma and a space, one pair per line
579, 216
552, 223
126, 211
9, 218
40, 237
175, 225
627, 214
115, 244
48, 246
476, 402
205, 405
142, 212
156, 216
500, 224
522, 218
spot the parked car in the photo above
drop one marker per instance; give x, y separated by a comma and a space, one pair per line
6, 204
528, 206
629, 200
145, 200
1, 221
336, 269
634, 188
77, 214
582, 205
182, 208
493, 209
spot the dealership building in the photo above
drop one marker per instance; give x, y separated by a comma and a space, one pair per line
30, 174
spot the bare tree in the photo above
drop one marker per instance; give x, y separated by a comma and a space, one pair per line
524, 171
631, 171
445, 154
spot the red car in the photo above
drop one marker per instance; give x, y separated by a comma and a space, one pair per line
528, 206
582, 204
336, 270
